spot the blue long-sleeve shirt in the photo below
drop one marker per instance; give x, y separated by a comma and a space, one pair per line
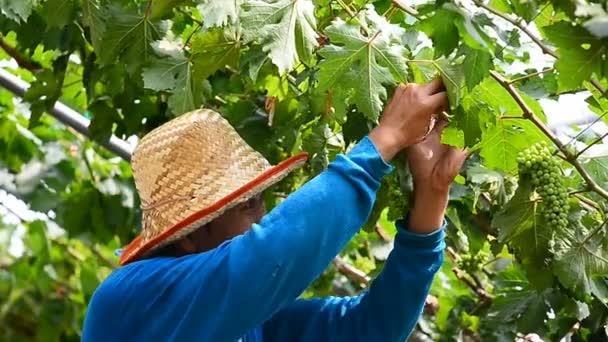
248, 287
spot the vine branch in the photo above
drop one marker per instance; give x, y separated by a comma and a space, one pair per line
351, 271
544, 48
529, 114
591, 144
431, 304
595, 231
472, 283
534, 74
22, 61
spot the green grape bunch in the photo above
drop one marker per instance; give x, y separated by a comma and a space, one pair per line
396, 198
542, 169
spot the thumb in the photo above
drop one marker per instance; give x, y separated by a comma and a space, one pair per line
454, 159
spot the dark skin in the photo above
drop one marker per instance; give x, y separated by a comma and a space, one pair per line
404, 127
233, 222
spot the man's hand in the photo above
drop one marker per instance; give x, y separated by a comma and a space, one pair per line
434, 167
407, 117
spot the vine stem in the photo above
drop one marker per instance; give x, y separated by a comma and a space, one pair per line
591, 144
595, 231
587, 128
356, 275
351, 271
529, 114
519, 79
473, 283
22, 61
544, 48
200, 23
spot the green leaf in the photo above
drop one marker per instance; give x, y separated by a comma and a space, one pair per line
525, 8
219, 12
93, 17
477, 66
453, 78
520, 224
37, 240
581, 54
473, 118
517, 216
17, 10
59, 13
502, 6
213, 51
501, 143
442, 31
88, 278
175, 74
104, 116
45, 91
365, 63
579, 258
162, 9
598, 169
129, 37
453, 136
286, 28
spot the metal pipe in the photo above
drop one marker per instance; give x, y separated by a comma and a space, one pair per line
66, 115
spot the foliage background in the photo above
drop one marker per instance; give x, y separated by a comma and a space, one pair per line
312, 76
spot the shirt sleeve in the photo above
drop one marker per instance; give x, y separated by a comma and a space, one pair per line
247, 280
387, 311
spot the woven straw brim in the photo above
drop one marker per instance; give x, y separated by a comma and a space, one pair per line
139, 247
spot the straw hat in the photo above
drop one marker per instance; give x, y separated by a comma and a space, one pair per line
189, 171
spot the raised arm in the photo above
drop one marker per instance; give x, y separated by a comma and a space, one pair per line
256, 274
389, 310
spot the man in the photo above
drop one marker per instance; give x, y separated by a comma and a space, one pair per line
211, 265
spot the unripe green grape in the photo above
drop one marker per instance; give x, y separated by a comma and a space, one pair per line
538, 164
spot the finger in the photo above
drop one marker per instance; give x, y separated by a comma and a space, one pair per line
433, 87
455, 159
434, 137
440, 125
438, 102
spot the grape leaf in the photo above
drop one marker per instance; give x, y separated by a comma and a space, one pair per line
219, 12
104, 116
598, 169
214, 50
17, 10
174, 73
501, 143
286, 28
517, 215
473, 118
525, 8
520, 225
442, 31
58, 13
579, 58
93, 17
453, 78
162, 9
514, 297
128, 37
477, 65
367, 64
453, 136
501, 5
578, 259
